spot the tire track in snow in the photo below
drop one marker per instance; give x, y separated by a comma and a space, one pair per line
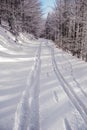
27, 114
81, 108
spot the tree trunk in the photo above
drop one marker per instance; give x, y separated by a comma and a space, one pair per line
0, 20
86, 57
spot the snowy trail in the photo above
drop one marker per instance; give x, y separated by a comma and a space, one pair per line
40, 86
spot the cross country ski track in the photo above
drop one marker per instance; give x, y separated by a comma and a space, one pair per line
74, 98
39, 87
29, 111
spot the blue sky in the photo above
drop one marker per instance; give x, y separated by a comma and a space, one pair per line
47, 6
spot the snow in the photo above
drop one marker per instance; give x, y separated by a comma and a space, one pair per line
41, 86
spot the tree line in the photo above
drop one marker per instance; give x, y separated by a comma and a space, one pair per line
67, 26
21, 15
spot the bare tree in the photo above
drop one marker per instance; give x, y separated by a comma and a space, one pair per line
68, 26
21, 15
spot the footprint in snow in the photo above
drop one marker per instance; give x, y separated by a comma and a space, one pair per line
56, 98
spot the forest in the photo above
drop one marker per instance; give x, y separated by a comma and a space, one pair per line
66, 25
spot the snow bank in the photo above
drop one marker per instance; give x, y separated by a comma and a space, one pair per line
25, 38
7, 40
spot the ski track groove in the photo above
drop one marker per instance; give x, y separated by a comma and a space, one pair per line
67, 125
81, 108
73, 77
27, 113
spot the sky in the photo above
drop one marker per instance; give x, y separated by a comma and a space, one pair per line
47, 6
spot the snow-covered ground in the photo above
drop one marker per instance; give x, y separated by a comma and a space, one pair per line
41, 87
